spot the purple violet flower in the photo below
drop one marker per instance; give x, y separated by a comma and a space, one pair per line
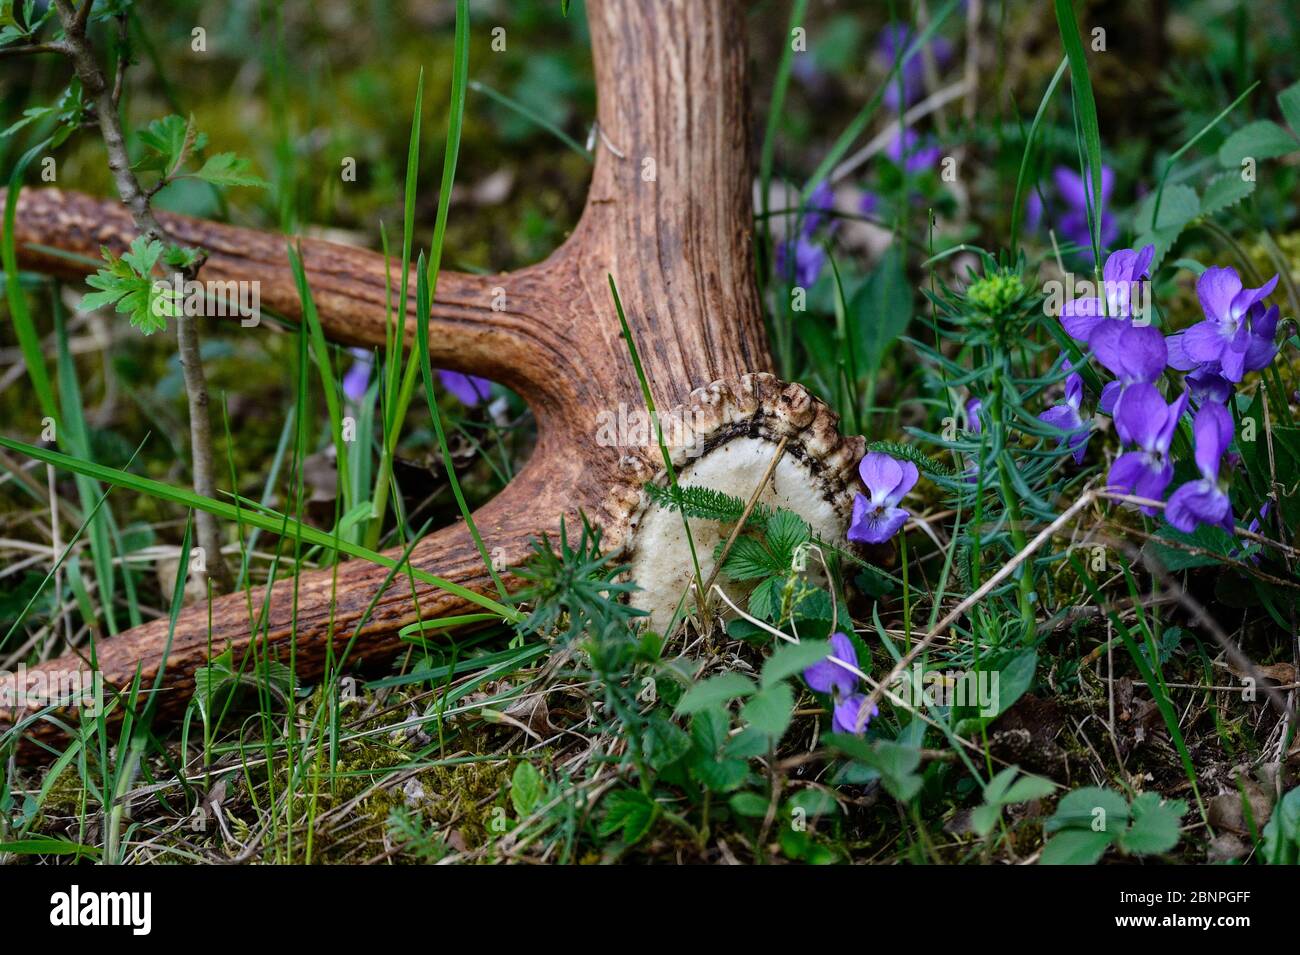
973, 407
1144, 419
1204, 501
893, 43
868, 202
357, 378
1132, 353
1073, 223
1033, 211
841, 684
468, 389
878, 518
1238, 330
1207, 384
910, 152
1123, 269
1065, 416
800, 261
819, 203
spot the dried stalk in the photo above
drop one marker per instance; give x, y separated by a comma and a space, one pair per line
77, 46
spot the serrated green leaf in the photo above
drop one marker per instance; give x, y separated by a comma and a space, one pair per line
168, 142
709, 729
664, 742
746, 744
720, 774
750, 560
227, 169
765, 599
1178, 206
715, 690
1224, 191
785, 532
1262, 139
1156, 825
629, 810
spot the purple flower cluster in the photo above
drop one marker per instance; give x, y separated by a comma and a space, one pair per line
913, 154
1067, 208
893, 43
840, 683
1204, 501
800, 260
1236, 336
1066, 416
877, 516
469, 390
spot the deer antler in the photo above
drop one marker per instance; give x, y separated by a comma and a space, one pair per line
669, 215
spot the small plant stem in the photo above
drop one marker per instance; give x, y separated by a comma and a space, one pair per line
136, 200
1026, 582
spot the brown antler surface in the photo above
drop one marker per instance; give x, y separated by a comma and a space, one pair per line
668, 214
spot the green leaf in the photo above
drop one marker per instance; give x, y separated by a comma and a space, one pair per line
1075, 847
1205, 542
720, 774
1085, 105
984, 818
718, 689
813, 801
765, 600
1088, 808
1015, 678
168, 142
1027, 789
48, 847
1156, 825
1178, 207
746, 744
1282, 834
750, 560
749, 804
770, 711
129, 285
1289, 102
880, 310
791, 658
227, 169
895, 762
629, 810
1223, 191
998, 785
664, 742
1262, 139
785, 532
526, 788
709, 729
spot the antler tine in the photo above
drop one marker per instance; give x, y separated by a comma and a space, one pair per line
480, 324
